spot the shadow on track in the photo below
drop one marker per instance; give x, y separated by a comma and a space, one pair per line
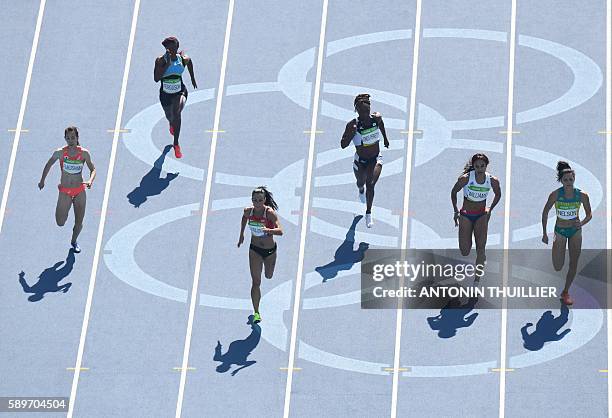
344, 257
546, 329
49, 279
452, 317
152, 184
238, 351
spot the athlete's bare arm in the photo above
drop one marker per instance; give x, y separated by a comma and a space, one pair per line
349, 133
54, 157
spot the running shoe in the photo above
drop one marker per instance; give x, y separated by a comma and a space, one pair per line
76, 247
177, 151
171, 129
369, 221
256, 317
362, 196
565, 297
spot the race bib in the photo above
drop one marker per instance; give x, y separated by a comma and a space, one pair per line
370, 136
72, 167
257, 228
171, 86
477, 193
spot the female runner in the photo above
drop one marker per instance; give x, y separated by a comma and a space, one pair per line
568, 227
473, 218
263, 223
172, 92
72, 187
366, 131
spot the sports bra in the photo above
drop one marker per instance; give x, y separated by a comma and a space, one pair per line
257, 223
477, 192
567, 209
366, 136
72, 165
171, 79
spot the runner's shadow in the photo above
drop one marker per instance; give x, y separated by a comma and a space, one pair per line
152, 184
546, 329
344, 257
238, 351
452, 317
49, 279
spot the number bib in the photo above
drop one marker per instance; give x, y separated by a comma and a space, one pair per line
256, 228
172, 86
370, 136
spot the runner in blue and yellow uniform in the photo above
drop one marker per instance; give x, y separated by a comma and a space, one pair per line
173, 94
72, 187
264, 224
568, 227
473, 218
366, 131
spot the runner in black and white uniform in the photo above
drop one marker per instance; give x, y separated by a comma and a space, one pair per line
365, 132
173, 94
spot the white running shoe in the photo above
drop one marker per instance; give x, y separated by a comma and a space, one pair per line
362, 196
369, 221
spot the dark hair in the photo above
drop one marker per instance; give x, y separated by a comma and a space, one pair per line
563, 167
72, 129
269, 200
361, 98
170, 40
469, 166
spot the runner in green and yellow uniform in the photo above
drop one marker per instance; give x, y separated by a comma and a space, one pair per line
568, 227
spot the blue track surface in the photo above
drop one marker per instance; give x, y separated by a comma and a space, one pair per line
135, 335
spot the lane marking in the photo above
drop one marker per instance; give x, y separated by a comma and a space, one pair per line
21, 130
406, 207
215, 131
305, 208
181, 368
205, 205
81, 368
107, 187
24, 101
313, 132
500, 370
112, 131
506, 240
286, 368
609, 186
509, 132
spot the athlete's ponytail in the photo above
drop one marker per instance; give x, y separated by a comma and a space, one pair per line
72, 129
269, 200
563, 168
469, 166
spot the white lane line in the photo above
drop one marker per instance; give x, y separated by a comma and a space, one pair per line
205, 204
506, 241
305, 208
24, 101
609, 188
96, 258
405, 218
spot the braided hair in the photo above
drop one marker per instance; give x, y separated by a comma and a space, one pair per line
268, 199
469, 166
563, 168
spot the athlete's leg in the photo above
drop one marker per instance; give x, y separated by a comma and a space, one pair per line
178, 105
575, 248
78, 204
465, 235
269, 264
256, 264
481, 228
63, 207
558, 251
373, 173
